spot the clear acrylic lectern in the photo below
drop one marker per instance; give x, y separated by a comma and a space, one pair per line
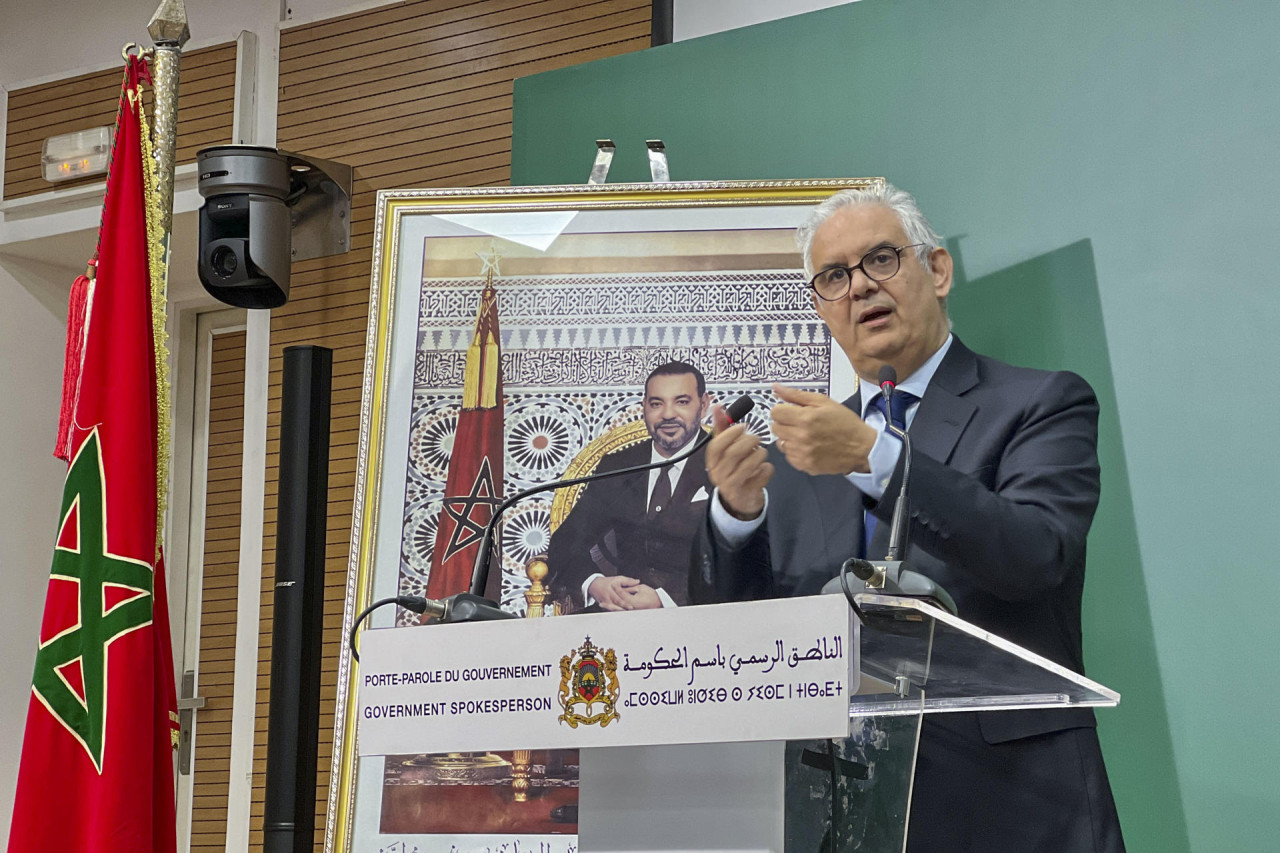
915, 659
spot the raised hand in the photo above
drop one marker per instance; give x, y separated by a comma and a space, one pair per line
819, 435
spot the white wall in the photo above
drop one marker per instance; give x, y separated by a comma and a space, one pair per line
41, 41
693, 18
31, 352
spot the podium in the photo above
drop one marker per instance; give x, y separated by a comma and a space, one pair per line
734, 789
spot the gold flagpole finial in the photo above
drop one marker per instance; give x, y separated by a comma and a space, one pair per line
168, 26
168, 29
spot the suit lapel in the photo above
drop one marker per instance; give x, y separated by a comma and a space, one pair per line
944, 413
693, 477
937, 426
636, 488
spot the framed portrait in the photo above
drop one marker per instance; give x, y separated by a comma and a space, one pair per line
519, 336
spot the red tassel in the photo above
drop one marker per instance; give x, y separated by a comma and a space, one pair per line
77, 311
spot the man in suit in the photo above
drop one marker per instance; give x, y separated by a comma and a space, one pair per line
1004, 484
626, 544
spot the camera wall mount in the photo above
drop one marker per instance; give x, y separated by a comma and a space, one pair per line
263, 210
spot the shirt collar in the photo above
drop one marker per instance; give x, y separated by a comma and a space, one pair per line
655, 457
915, 384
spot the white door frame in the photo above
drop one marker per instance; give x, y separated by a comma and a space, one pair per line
193, 338
253, 478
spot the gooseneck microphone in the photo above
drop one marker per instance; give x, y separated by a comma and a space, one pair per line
899, 528
736, 411
893, 575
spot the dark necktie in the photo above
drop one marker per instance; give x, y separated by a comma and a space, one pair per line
661, 494
901, 401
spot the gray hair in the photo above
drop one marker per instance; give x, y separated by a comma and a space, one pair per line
899, 201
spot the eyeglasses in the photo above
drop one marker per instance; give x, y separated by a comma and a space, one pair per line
880, 264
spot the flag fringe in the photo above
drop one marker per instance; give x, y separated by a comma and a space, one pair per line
73, 361
159, 310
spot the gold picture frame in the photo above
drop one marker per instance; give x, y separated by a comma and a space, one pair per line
748, 220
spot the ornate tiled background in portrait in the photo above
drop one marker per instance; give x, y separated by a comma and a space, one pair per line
575, 352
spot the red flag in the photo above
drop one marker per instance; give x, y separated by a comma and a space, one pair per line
97, 771
474, 485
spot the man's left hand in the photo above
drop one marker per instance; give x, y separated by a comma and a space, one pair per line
819, 435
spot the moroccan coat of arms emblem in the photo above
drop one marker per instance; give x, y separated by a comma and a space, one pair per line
589, 686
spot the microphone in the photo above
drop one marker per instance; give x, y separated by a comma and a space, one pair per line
893, 575
415, 603
462, 607
465, 607
736, 411
898, 529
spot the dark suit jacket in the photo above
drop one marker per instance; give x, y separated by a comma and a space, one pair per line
1004, 484
607, 531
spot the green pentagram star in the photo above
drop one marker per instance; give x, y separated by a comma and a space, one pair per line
94, 569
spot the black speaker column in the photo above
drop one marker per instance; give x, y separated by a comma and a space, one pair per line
289, 811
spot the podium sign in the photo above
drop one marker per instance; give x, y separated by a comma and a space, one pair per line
767, 670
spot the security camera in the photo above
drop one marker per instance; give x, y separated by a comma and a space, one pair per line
263, 210
245, 232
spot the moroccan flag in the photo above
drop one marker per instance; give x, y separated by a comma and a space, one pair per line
96, 772
474, 485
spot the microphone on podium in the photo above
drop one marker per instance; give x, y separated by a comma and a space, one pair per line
898, 529
893, 575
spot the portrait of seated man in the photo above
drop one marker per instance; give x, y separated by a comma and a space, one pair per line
627, 541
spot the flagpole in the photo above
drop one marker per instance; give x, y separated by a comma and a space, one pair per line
169, 31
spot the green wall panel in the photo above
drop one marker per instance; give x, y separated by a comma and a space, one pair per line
1107, 173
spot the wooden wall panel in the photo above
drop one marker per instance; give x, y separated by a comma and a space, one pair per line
219, 591
415, 94
206, 97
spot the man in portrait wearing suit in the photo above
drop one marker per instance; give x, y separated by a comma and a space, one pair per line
1004, 484
627, 542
